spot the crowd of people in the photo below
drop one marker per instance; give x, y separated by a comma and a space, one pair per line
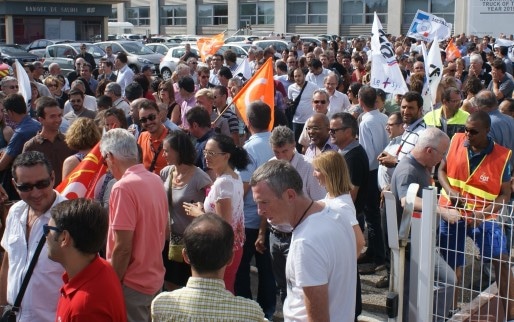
192, 194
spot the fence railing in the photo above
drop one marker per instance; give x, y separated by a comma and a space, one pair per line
442, 272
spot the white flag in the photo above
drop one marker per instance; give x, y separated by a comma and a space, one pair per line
426, 26
385, 72
434, 72
23, 83
243, 69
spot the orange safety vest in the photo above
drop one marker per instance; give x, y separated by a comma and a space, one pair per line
483, 185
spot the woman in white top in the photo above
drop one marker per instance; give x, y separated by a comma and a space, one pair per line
225, 197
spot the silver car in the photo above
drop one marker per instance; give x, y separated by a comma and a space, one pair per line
64, 54
138, 54
170, 61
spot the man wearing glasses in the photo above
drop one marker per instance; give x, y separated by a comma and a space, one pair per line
151, 140
449, 118
9, 85
75, 234
33, 178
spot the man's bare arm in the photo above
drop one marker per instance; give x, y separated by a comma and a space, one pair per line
316, 303
3, 279
122, 251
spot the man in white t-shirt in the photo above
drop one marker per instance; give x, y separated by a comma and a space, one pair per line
322, 258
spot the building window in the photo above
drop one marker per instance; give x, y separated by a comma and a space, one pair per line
441, 8
113, 17
216, 14
173, 15
262, 13
307, 12
358, 12
138, 16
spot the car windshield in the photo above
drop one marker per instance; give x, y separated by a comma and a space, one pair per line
12, 50
136, 48
96, 51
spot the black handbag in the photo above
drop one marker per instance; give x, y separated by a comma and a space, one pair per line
10, 311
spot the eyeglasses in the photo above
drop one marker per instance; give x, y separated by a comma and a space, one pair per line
26, 187
162, 89
333, 131
150, 117
319, 102
47, 228
13, 87
211, 153
471, 131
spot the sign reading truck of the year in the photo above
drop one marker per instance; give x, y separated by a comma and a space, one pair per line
486, 17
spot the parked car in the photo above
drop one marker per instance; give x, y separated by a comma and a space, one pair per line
10, 52
191, 38
170, 61
38, 47
161, 47
279, 45
240, 51
138, 54
64, 55
165, 39
241, 38
309, 40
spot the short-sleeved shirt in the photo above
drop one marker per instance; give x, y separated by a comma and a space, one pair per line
138, 203
94, 294
304, 109
358, 165
259, 152
56, 152
193, 191
410, 137
373, 136
26, 130
151, 147
204, 299
502, 130
227, 187
72, 116
506, 86
312, 150
322, 251
40, 300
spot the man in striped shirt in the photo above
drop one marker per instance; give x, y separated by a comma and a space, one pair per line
412, 115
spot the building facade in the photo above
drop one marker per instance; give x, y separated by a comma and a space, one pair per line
341, 17
23, 21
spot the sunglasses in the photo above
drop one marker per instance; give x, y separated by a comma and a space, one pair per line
320, 102
471, 131
47, 228
150, 117
26, 187
333, 131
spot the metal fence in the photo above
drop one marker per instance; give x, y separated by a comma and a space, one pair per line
459, 272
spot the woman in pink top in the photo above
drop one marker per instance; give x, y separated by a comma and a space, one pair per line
225, 197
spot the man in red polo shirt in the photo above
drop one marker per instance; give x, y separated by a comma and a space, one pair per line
92, 291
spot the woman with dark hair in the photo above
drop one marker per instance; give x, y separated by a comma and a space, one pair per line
183, 182
100, 89
225, 197
166, 95
114, 118
142, 80
353, 95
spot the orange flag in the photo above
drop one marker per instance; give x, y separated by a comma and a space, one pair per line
259, 87
452, 52
209, 46
81, 182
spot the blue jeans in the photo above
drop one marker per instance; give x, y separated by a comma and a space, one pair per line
279, 247
267, 291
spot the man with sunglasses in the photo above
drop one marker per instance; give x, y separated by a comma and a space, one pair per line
9, 85
33, 178
152, 137
476, 175
75, 233
78, 109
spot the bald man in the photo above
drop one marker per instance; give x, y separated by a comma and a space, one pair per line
317, 127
